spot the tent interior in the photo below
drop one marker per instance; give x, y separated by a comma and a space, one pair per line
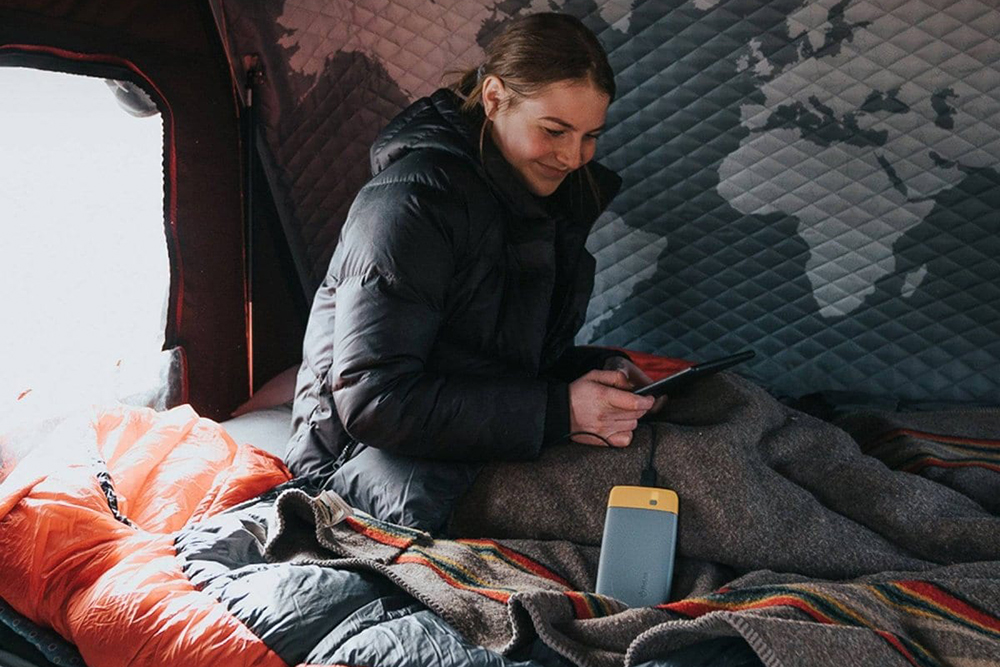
816, 180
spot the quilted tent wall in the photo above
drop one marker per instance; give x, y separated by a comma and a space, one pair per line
816, 179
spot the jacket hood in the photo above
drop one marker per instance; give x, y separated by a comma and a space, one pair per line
437, 123
434, 122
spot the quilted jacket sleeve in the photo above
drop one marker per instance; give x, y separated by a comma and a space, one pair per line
579, 360
397, 260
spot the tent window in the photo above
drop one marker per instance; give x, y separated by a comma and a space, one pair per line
84, 271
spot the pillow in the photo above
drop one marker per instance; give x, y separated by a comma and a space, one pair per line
279, 390
412, 492
268, 428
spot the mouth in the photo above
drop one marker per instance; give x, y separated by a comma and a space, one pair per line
553, 172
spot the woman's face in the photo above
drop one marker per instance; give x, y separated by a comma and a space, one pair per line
549, 134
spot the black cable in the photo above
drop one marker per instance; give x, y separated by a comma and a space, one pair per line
648, 475
607, 443
553, 441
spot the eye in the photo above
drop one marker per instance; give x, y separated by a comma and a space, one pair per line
555, 133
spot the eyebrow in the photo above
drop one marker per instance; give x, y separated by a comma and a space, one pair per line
569, 126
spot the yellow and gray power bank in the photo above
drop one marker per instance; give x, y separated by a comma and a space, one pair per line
637, 548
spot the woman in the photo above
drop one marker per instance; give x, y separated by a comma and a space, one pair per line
444, 327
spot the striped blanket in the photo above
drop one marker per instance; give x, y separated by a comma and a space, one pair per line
876, 541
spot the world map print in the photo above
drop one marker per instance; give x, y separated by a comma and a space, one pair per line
882, 110
817, 179
826, 190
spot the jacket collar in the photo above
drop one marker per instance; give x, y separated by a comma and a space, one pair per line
437, 122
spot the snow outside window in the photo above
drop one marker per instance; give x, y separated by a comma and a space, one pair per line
84, 272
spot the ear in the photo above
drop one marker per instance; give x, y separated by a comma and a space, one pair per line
494, 94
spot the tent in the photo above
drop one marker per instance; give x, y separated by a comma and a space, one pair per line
818, 180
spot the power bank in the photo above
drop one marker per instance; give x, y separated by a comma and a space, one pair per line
636, 564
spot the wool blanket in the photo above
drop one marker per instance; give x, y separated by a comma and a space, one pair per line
875, 540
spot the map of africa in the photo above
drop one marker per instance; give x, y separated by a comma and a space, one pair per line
865, 127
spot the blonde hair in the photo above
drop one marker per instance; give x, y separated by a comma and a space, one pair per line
533, 52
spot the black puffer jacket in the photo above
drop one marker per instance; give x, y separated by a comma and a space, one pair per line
444, 326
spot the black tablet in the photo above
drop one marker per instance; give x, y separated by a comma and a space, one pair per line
688, 375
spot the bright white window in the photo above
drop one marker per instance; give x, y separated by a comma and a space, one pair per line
84, 273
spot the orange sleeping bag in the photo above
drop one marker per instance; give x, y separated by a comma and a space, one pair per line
116, 590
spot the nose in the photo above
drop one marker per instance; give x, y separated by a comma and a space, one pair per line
571, 154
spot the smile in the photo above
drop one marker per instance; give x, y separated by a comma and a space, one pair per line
553, 172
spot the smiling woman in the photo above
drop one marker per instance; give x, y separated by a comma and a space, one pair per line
549, 135
443, 333
84, 273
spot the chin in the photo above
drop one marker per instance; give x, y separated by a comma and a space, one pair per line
537, 184
544, 189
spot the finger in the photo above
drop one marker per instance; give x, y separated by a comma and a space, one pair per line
621, 415
638, 376
614, 378
620, 439
614, 363
627, 400
631, 371
618, 426
588, 440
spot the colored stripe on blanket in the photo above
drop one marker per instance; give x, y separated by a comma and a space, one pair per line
587, 605
918, 463
821, 608
385, 533
455, 575
926, 599
490, 549
935, 451
986, 445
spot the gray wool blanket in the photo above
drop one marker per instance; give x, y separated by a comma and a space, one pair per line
874, 541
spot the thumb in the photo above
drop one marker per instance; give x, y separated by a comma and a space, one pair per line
613, 378
619, 379
616, 378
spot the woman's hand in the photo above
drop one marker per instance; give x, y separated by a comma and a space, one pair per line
636, 377
602, 402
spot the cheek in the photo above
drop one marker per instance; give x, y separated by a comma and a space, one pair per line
534, 147
588, 152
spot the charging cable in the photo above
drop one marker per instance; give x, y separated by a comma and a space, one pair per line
648, 475
606, 442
